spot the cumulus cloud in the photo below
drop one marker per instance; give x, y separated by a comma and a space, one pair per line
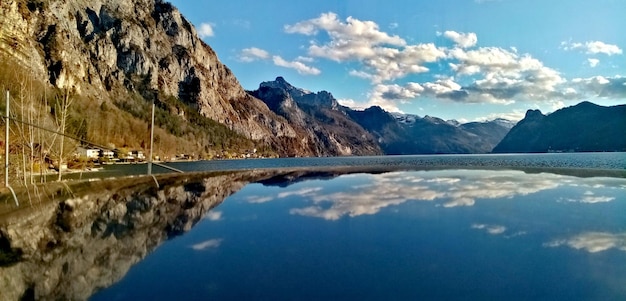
252, 54
463, 40
497, 76
248, 55
593, 47
506, 76
600, 86
360, 32
469, 73
208, 244
593, 62
205, 30
592, 242
300, 67
384, 57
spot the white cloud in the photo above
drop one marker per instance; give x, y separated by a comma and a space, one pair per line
252, 54
384, 57
593, 47
359, 32
506, 76
208, 244
385, 96
305, 59
600, 86
592, 242
300, 67
463, 40
492, 75
515, 115
205, 30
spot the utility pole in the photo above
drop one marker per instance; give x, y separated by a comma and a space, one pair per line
151, 141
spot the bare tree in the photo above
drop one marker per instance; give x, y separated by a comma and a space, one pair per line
61, 114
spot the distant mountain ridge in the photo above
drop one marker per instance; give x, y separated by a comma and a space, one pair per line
581, 128
339, 128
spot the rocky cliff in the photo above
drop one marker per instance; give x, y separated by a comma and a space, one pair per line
582, 128
104, 50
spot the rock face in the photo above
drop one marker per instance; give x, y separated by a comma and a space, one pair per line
103, 49
410, 134
583, 127
326, 128
68, 248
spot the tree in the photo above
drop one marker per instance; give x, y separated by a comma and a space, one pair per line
61, 114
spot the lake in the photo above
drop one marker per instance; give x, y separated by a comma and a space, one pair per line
454, 234
490, 227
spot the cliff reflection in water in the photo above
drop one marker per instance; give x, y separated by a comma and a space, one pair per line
75, 240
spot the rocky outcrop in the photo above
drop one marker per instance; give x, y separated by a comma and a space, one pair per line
88, 237
326, 128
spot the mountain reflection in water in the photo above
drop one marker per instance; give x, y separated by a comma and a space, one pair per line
73, 247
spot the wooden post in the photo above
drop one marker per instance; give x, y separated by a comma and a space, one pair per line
6, 144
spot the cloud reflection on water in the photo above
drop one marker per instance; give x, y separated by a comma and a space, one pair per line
213, 215
451, 188
592, 242
491, 229
590, 197
304, 192
207, 244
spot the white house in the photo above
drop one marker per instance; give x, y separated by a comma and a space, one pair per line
92, 153
109, 154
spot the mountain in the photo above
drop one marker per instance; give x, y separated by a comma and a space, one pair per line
583, 127
115, 58
318, 118
127, 53
409, 134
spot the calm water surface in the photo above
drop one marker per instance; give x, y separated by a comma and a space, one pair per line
610, 161
456, 234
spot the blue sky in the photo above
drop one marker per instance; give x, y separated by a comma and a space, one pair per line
454, 59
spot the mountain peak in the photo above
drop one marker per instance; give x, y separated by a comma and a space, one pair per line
533, 114
281, 83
